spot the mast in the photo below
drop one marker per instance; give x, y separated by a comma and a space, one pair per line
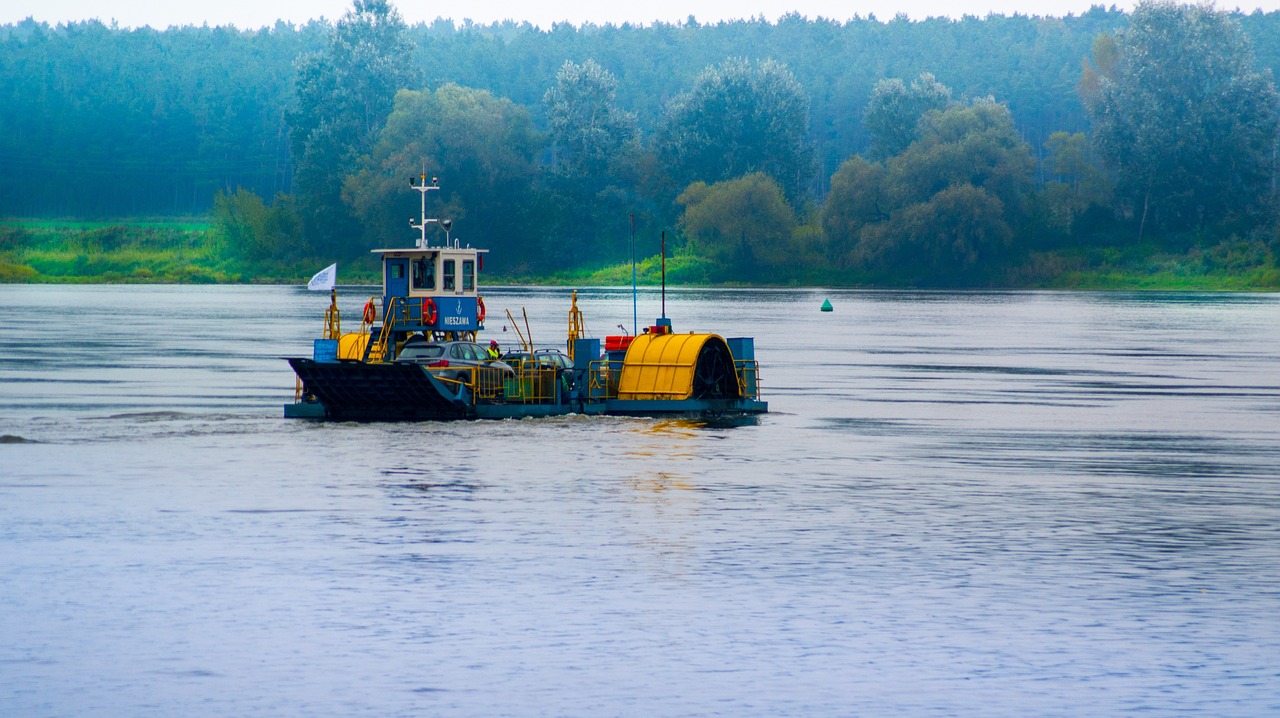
423, 188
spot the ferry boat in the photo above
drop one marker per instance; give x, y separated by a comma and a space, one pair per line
415, 356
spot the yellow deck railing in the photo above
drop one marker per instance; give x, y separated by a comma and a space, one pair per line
748, 371
602, 379
535, 382
483, 383
390, 317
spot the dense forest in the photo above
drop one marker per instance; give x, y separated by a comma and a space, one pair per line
982, 151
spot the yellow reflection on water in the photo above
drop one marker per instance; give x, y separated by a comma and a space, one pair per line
669, 440
664, 496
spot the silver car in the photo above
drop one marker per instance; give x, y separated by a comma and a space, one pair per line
453, 360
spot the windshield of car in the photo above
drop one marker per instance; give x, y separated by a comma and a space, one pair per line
554, 356
543, 358
422, 351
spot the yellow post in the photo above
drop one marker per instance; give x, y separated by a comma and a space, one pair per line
576, 325
332, 318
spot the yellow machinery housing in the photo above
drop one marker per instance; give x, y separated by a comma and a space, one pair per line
352, 345
664, 367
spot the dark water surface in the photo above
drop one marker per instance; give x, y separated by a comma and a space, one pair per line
968, 504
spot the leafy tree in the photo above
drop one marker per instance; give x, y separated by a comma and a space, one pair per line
976, 144
482, 147
591, 136
595, 146
857, 199
739, 118
895, 109
942, 212
953, 238
1183, 117
252, 231
1076, 182
344, 96
744, 225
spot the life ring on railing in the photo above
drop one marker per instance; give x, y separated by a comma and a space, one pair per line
480, 312
429, 314
370, 311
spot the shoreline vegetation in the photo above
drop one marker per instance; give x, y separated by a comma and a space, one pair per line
190, 251
1106, 150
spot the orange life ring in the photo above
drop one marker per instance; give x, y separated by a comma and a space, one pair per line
480, 313
370, 311
429, 314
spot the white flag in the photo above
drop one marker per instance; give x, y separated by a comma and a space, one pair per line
325, 279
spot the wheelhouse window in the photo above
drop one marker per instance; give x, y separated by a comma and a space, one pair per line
468, 275
449, 267
424, 273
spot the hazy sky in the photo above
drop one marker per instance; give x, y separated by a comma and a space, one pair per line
256, 13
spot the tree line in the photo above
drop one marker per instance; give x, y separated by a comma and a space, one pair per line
932, 152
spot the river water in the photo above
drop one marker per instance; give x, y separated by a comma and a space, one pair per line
961, 504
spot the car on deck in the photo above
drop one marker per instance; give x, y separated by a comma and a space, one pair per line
455, 360
542, 358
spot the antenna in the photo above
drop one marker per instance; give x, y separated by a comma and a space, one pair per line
635, 314
664, 274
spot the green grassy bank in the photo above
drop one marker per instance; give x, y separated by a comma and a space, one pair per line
160, 252
105, 252
189, 251
1229, 265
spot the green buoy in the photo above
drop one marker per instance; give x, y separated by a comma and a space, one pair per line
826, 305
